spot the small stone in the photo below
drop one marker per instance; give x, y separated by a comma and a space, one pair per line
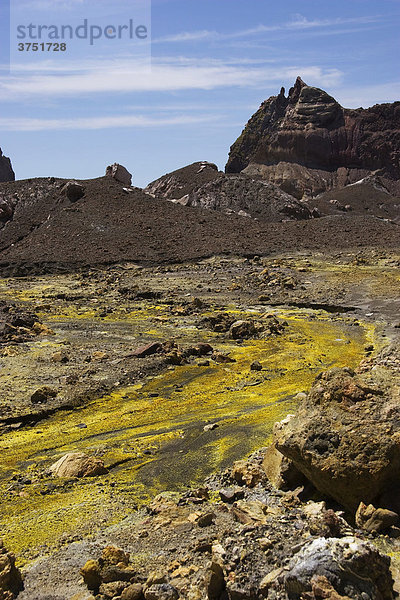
112, 589
78, 464
73, 190
215, 582
60, 357
267, 582
375, 520
133, 592
256, 366
119, 173
40, 329
98, 356
147, 350
43, 394
156, 577
210, 426
114, 555
161, 591
206, 519
265, 543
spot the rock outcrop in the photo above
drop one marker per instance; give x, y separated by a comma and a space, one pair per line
177, 186
345, 436
248, 197
119, 173
10, 576
6, 170
307, 143
201, 185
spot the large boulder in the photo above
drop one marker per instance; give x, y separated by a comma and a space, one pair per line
345, 437
78, 464
353, 569
119, 173
307, 143
6, 170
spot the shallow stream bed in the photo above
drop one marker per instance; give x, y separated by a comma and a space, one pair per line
151, 434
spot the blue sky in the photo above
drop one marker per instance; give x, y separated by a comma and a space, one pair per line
186, 95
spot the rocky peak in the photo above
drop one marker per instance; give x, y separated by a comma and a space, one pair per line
308, 143
295, 91
6, 170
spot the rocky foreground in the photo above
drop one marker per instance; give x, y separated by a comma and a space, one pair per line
239, 537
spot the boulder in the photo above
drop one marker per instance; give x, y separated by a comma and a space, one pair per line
354, 569
73, 190
119, 173
240, 330
78, 464
10, 576
281, 471
345, 437
375, 520
147, 350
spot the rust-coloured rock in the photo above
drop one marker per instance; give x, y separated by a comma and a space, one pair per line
307, 143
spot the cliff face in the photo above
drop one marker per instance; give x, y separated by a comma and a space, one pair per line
307, 143
6, 170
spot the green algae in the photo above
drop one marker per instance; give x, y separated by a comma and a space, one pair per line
152, 436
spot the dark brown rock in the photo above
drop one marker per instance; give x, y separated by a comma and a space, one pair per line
147, 350
6, 170
177, 186
73, 191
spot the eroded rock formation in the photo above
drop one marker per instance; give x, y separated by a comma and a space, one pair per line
307, 142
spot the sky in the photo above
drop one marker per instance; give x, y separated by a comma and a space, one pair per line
184, 87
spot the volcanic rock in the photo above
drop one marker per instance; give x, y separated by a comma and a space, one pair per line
307, 143
249, 197
108, 226
73, 190
374, 519
344, 438
6, 170
78, 464
10, 576
354, 568
177, 186
119, 173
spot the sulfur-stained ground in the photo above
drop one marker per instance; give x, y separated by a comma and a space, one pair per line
145, 418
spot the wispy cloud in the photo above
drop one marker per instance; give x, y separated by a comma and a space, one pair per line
299, 23
105, 122
166, 74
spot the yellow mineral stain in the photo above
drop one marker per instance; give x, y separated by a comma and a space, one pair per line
152, 437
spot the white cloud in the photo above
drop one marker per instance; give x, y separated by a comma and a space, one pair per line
299, 23
167, 74
105, 122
